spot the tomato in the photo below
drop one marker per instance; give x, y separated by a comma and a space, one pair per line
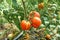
41, 5
25, 25
34, 14
36, 22
48, 36
11, 35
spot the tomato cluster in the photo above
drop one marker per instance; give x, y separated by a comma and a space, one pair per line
35, 21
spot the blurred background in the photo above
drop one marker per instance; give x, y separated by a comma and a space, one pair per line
12, 13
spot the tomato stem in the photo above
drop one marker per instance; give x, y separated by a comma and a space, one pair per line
24, 8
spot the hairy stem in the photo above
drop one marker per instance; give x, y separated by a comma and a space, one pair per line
24, 8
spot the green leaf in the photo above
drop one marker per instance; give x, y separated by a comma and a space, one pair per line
22, 16
17, 22
45, 1
1, 1
14, 4
9, 2
5, 12
39, 1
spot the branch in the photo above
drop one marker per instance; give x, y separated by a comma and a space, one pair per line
24, 8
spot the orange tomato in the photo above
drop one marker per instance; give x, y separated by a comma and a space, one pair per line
36, 22
41, 5
25, 25
48, 36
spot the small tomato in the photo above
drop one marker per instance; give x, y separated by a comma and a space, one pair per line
41, 5
48, 36
25, 25
36, 22
11, 35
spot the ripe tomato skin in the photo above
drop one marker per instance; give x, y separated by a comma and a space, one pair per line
25, 25
36, 22
28, 25
34, 14
41, 5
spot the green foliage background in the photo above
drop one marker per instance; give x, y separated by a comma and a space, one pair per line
12, 11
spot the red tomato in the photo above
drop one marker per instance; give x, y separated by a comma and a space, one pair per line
25, 25
34, 14
36, 22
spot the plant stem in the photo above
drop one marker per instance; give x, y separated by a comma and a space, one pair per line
16, 38
24, 8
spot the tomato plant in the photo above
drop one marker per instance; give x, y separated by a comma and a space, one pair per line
26, 14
